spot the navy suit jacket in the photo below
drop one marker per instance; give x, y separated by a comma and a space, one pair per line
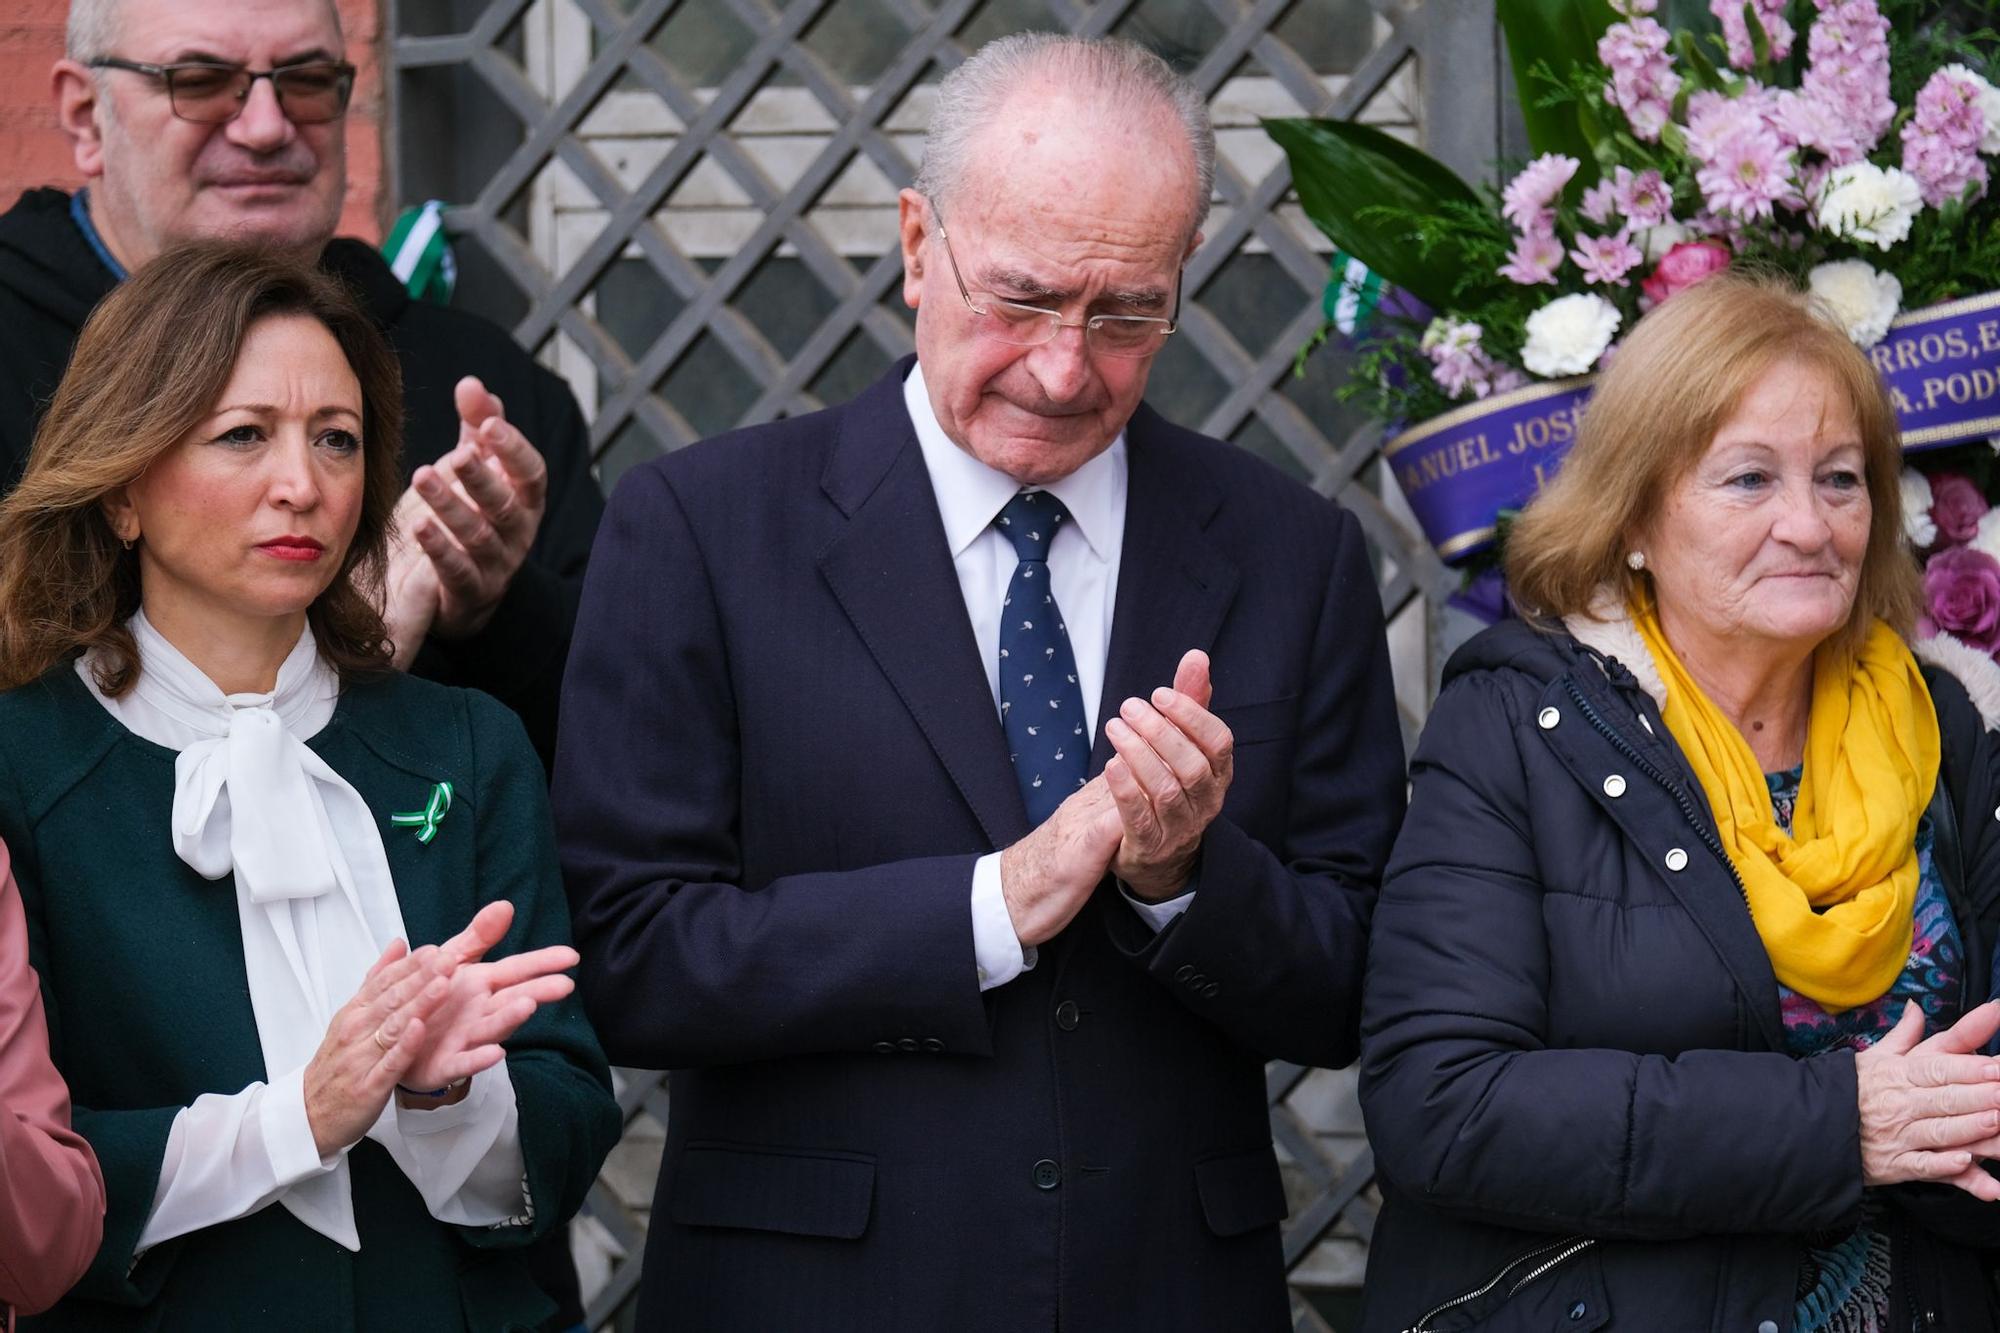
779, 759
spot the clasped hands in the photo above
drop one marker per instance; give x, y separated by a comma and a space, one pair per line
463, 527
1930, 1109
426, 1019
1141, 819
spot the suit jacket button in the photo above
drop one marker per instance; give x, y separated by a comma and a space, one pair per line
1185, 971
1197, 979
1047, 1175
1768, 1326
933, 1045
1068, 1016
907, 1044
885, 1048
1211, 990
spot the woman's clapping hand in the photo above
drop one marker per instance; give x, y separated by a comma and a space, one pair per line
1930, 1110
485, 1002
371, 1044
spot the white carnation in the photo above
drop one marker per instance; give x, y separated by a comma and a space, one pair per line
1566, 336
1658, 240
1987, 538
1870, 204
1989, 106
1917, 523
1863, 299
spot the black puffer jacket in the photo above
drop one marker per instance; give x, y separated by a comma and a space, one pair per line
1573, 1068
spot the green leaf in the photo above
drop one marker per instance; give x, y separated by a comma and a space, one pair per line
1564, 34
1342, 170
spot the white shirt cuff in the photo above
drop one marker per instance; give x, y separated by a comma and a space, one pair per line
465, 1159
995, 947
1158, 915
288, 1134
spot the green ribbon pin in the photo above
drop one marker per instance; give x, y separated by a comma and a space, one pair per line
426, 820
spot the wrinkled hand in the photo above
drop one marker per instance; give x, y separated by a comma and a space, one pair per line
1930, 1110
482, 506
1172, 769
1046, 877
371, 1044
485, 1002
410, 588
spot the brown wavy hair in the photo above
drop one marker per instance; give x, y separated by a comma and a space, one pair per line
1675, 382
151, 362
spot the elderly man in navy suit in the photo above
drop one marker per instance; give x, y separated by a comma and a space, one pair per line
965, 790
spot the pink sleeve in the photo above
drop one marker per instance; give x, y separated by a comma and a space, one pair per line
51, 1192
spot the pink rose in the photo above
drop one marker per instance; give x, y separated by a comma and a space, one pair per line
1956, 507
1962, 596
1683, 266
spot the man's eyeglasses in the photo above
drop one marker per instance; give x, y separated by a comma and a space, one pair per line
1032, 325
309, 93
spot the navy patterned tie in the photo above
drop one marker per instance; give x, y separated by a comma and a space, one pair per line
1041, 704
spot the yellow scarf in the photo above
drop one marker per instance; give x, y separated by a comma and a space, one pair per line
1871, 762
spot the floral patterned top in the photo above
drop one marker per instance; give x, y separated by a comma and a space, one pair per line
1845, 1278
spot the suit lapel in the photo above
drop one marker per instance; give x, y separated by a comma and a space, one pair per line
891, 572
1174, 584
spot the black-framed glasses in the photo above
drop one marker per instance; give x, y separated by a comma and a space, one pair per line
309, 93
1032, 325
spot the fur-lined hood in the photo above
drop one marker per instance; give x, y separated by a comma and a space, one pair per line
1608, 630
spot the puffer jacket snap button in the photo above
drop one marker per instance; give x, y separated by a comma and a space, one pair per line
1614, 786
1677, 859
1548, 718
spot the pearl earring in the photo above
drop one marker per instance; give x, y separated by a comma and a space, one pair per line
1636, 561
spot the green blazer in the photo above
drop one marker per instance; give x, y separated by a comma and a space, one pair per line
141, 962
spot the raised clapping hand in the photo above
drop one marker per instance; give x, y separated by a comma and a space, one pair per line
464, 526
484, 1002
1141, 819
1172, 769
1930, 1110
426, 1020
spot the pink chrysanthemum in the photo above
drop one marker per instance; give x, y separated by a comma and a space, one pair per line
1941, 140
1606, 259
1806, 122
1529, 199
1642, 198
1745, 169
1534, 259
1770, 15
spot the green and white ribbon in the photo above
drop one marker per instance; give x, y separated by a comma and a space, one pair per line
1352, 293
420, 254
426, 820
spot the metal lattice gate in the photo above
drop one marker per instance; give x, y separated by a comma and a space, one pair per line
688, 208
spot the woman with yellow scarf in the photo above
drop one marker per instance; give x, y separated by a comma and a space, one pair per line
1681, 976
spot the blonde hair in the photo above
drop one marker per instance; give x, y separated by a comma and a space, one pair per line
148, 367
1674, 383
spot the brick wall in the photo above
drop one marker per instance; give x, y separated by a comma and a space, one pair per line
34, 152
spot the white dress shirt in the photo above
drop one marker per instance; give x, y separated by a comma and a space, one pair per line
316, 907
1083, 573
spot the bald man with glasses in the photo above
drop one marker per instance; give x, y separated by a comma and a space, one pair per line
966, 789
192, 119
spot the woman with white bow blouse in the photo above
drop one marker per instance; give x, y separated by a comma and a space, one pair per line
228, 816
